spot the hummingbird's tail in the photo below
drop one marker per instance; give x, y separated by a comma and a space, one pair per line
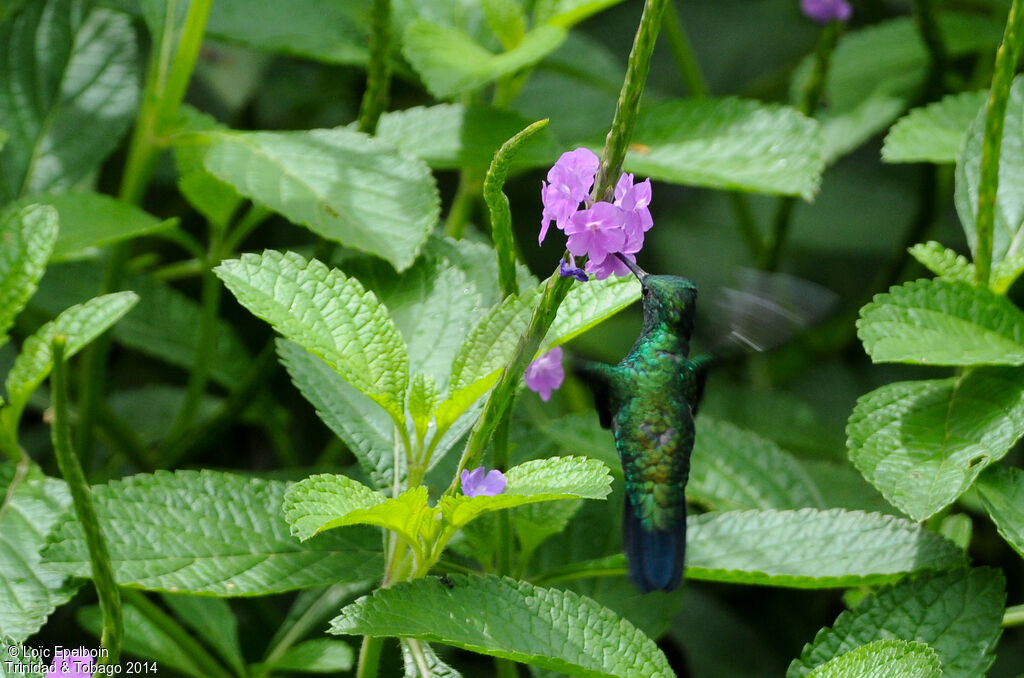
655, 556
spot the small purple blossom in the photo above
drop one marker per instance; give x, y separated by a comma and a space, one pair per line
633, 200
569, 269
482, 483
545, 374
596, 232
71, 664
823, 11
569, 182
610, 265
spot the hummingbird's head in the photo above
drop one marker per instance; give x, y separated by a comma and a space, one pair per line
671, 300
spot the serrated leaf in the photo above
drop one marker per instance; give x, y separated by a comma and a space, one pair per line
1006, 272
436, 667
214, 622
211, 197
18, 660
165, 324
453, 136
957, 613
730, 144
923, 443
214, 533
883, 659
933, 133
342, 184
549, 628
366, 429
325, 501
942, 322
85, 78
568, 13
943, 261
329, 314
1009, 207
320, 655
1002, 492
80, 325
27, 237
812, 548
534, 481
491, 344
423, 400
28, 513
732, 468
451, 62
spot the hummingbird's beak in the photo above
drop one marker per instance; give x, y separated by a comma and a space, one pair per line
637, 271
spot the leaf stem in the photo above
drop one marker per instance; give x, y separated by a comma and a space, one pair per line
462, 203
85, 511
995, 115
498, 206
1014, 616
682, 51
931, 35
378, 69
369, 657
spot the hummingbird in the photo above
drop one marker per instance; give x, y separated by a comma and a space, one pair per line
649, 401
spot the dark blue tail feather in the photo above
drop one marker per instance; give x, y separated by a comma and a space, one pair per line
655, 557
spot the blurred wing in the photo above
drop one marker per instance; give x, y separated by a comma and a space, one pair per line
765, 310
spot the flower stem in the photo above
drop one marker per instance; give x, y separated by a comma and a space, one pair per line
462, 204
85, 511
369, 657
1002, 79
378, 69
682, 51
628, 105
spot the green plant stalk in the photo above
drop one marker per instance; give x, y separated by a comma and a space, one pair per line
160, 619
995, 116
628, 105
378, 69
810, 99
85, 511
1014, 616
682, 52
369, 657
462, 203
928, 26
498, 206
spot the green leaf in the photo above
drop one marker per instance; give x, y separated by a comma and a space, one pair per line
933, 133
730, 144
84, 80
437, 668
80, 324
923, 443
17, 662
1002, 492
325, 501
423, 400
340, 183
214, 622
534, 481
213, 533
1006, 272
843, 131
534, 523
27, 237
90, 220
29, 511
568, 13
451, 62
476, 260
214, 199
365, 428
942, 322
165, 324
1009, 208
453, 136
549, 628
329, 314
811, 548
732, 468
506, 20
883, 659
957, 613
943, 261
320, 655
491, 344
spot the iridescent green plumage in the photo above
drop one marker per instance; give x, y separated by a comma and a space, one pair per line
649, 400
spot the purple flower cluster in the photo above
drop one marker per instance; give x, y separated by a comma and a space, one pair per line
823, 11
600, 230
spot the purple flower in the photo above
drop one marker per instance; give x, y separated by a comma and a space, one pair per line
633, 200
569, 182
823, 11
71, 664
596, 232
545, 374
610, 265
569, 269
476, 484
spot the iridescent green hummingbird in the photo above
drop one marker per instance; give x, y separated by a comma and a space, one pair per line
649, 401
